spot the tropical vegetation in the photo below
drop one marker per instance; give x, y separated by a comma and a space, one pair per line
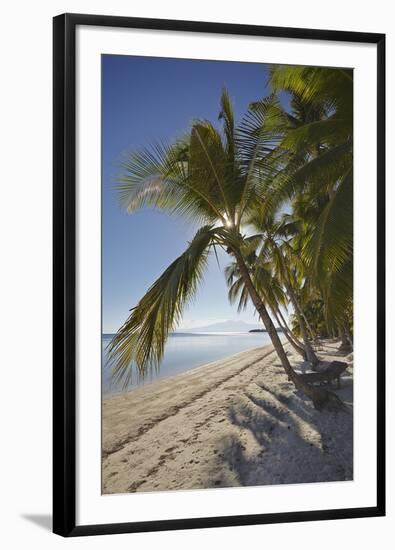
275, 192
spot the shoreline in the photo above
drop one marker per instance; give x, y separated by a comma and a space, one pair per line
118, 404
233, 422
172, 377
183, 355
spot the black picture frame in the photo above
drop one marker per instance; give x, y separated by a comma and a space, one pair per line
64, 273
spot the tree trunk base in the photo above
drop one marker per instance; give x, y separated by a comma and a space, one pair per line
314, 363
325, 400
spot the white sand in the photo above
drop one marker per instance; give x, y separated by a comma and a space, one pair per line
235, 422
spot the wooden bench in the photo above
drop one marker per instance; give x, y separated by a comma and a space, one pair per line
332, 372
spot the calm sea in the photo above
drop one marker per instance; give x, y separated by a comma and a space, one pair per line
187, 351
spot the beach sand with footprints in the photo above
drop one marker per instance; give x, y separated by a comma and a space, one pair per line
234, 422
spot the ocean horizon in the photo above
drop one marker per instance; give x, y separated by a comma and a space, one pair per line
185, 351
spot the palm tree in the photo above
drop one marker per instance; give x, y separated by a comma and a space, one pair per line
329, 273
317, 155
313, 309
212, 178
285, 265
270, 291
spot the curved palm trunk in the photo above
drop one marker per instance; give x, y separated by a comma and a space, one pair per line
287, 335
321, 398
349, 337
308, 326
292, 335
346, 344
343, 338
311, 356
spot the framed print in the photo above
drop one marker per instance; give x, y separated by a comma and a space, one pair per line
218, 273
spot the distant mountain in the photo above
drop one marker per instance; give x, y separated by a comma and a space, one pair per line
225, 326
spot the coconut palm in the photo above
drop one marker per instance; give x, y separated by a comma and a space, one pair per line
288, 267
313, 310
211, 178
270, 291
316, 149
329, 272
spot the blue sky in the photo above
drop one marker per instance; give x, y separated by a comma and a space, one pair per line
145, 100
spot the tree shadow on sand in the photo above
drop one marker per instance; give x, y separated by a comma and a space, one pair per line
288, 441
334, 353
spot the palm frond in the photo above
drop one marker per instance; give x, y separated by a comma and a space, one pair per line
226, 114
141, 340
308, 137
330, 244
160, 177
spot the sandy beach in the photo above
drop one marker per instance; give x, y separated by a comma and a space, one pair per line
234, 422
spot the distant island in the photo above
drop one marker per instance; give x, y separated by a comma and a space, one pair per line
278, 329
224, 326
